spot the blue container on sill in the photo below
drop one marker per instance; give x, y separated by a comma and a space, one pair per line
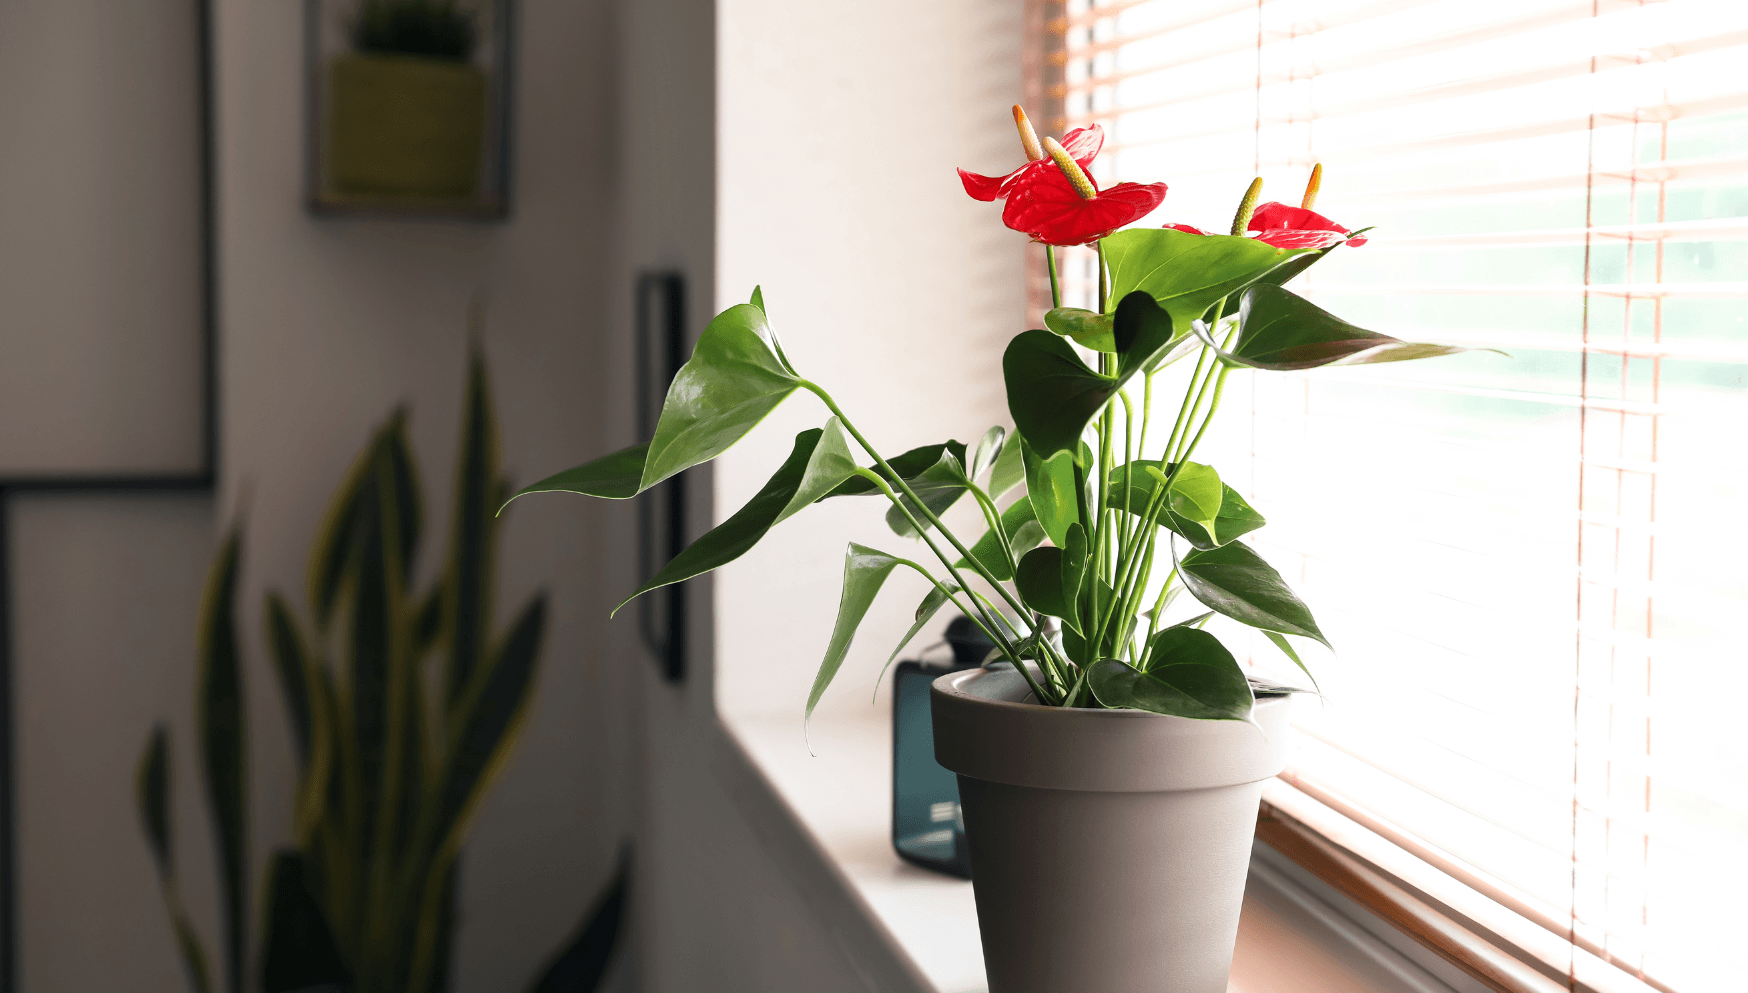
927, 827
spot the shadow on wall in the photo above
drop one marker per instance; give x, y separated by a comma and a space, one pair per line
393, 760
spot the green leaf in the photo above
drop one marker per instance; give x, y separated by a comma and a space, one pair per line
611, 477
758, 299
1088, 328
1050, 578
819, 461
938, 487
1189, 674
988, 450
219, 713
1280, 641
909, 466
1278, 329
1235, 581
298, 951
865, 571
1053, 396
473, 534
1051, 486
938, 597
1009, 470
291, 661
734, 378
1185, 273
1024, 534
152, 797
582, 965
1235, 516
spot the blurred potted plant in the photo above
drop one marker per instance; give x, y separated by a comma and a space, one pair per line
406, 109
393, 759
1110, 771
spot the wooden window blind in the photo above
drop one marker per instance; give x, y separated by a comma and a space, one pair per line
1532, 567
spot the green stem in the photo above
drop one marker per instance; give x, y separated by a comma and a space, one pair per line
1158, 608
1102, 284
1055, 287
989, 628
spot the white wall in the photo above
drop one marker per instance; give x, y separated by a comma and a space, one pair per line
821, 139
841, 127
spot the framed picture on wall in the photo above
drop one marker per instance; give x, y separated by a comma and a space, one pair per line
408, 107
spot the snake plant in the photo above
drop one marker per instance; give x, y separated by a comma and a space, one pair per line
393, 757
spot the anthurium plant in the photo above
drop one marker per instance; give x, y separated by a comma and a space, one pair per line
1096, 513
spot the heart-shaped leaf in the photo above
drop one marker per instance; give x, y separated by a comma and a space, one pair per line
865, 571
1280, 641
1053, 396
733, 379
1024, 534
736, 376
1049, 578
1009, 470
1185, 273
1234, 518
937, 598
988, 450
908, 466
819, 461
1052, 487
1278, 329
1089, 329
938, 487
1189, 674
1235, 581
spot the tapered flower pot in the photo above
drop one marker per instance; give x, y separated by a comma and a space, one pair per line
1109, 848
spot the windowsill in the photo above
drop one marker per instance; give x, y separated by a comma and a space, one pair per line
1291, 938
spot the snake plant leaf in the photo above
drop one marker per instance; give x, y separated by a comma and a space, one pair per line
1278, 329
298, 949
865, 571
908, 466
489, 718
582, 965
1234, 517
1286, 648
1024, 534
1235, 581
938, 487
428, 620
1189, 674
473, 529
1009, 470
219, 713
152, 797
1053, 396
1185, 273
1088, 329
819, 461
988, 450
291, 661
1052, 485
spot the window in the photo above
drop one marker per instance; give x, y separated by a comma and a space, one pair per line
1531, 566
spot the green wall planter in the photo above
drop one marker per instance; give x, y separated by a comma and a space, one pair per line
402, 126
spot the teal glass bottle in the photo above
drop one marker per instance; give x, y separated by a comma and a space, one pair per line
927, 828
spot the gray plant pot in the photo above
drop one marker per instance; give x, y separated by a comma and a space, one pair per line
1109, 848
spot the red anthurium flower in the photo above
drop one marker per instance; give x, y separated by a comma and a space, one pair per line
1297, 227
1057, 207
1083, 144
